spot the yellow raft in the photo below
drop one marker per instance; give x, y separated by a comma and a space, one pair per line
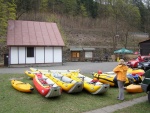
91, 85
67, 84
140, 72
21, 86
31, 74
38, 70
108, 78
133, 88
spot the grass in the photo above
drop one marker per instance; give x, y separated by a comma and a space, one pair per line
137, 108
14, 101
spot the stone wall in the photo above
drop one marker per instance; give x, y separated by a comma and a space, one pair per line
97, 53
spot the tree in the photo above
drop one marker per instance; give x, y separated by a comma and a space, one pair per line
7, 11
147, 17
90, 6
24, 6
11, 12
126, 17
44, 5
69, 6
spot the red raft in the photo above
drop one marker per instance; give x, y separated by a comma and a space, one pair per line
45, 86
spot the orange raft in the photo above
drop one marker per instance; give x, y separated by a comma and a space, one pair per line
134, 88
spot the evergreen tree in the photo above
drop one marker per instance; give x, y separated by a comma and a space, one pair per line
3, 17
24, 6
7, 11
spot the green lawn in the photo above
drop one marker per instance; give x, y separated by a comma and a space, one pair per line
13, 101
143, 107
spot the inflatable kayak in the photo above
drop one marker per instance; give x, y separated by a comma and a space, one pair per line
32, 74
45, 86
91, 85
140, 72
67, 84
134, 88
110, 78
21, 86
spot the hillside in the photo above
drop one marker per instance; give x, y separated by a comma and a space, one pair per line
98, 39
100, 33
85, 32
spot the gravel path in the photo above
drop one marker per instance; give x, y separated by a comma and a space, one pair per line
85, 67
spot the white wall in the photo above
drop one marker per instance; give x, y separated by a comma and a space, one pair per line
21, 55
49, 54
14, 55
41, 55
57, 54
30, 60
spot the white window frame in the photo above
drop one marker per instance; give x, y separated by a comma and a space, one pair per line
88, 54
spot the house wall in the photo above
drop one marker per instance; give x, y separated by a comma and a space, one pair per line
14, 55
22, 55
97, 53
145, 47
57, 54
49, 54
39, 55
18, 55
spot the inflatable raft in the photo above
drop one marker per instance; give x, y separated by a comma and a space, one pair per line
67, 84
110, 78
140, 72
134, 88
21, 86
91, 85
32, 74
45, 86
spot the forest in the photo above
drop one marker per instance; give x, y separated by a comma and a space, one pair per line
111, 18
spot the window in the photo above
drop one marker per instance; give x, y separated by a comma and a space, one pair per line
88, 54
75, 55
30, 51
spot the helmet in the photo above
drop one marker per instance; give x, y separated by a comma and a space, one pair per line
99, 72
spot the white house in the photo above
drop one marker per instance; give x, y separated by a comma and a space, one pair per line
33, 43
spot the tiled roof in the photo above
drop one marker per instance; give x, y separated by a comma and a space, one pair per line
32, 33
